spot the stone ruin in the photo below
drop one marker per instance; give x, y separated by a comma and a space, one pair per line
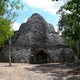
36, 41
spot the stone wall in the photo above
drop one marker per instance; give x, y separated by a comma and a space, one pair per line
35, 35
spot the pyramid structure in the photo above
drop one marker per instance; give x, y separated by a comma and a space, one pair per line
36, 41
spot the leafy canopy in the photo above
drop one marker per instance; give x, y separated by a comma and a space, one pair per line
69, 24
8, 14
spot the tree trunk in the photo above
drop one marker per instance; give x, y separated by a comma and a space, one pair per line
77, 45
10, 52
9, 58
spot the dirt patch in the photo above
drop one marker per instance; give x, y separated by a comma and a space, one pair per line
24, 71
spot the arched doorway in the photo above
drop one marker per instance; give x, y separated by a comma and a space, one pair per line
42, 57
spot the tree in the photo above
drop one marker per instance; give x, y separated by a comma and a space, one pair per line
70, 32
8, 14
70, 22
65, 25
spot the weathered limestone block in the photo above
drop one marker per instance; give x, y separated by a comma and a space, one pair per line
20, 54
49, 28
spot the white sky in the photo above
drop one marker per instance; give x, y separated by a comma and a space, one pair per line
49, 6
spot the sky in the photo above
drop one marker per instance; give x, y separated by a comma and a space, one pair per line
46, 8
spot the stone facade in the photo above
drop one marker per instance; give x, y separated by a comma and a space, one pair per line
38, 42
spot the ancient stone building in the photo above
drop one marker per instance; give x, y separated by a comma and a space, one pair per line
37, 42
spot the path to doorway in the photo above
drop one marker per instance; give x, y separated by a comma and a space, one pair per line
51, 71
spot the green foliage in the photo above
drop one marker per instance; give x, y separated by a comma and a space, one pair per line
8, 14
69, 24
70, 30
5, 30
71, 21
71, 43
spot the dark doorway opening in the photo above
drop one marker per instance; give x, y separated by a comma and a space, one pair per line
42, 57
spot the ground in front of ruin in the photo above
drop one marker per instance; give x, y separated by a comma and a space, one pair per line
49, 71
